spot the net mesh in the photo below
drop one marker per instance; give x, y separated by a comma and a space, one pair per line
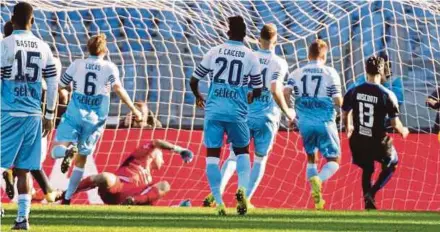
157, 44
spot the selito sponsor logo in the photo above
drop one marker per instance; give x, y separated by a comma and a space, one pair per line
89, 100
265, 97
226, 93
26, 91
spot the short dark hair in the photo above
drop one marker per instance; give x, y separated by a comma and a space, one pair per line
375, 65
7, 29
237, 27
268, 32
23, 14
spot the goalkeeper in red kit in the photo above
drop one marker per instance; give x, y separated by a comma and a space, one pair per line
132, 182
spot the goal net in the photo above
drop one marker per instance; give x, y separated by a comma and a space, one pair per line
157, 44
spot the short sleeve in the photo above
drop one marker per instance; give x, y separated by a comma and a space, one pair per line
255, 73
392, 105
50, 71
291, 83
114, 79
281, 71
6, 69
68, 75
204, 67
347, 104
334, 88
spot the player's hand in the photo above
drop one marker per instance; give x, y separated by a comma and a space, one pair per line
47, 126
250, 97
349, 130
186, 155
200, 102
431, 102
290, 114
404, 132
138, 115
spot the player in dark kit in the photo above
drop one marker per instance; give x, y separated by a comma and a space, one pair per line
369, 105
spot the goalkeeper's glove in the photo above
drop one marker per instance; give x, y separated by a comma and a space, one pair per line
186, 154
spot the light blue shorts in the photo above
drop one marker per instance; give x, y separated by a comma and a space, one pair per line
81, 132
323, 137
263, 132
237, 132
21, 142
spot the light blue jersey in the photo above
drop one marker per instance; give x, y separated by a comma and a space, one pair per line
231, 66
273, 69
84, 119
315, 85
25, 61
264, 114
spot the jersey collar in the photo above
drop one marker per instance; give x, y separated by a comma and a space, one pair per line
266, 51
234, 42
18, 32
96, 57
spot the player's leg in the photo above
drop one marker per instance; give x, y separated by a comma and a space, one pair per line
227, 170
41, 177
9, 178
103, 180
213, 139
330, 148
389, 164
11, 140
28, 158
86, 146
64, 146
310, 135
264, 137
150, 194
239, 134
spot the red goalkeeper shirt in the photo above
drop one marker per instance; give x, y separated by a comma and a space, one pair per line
135, 168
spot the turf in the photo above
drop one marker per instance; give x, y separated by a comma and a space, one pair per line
50, 218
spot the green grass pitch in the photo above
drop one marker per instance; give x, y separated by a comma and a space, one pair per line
50, 218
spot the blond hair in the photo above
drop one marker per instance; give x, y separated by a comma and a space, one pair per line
318, 49
268, 32
97, 45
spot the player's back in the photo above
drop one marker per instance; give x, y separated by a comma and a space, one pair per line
92, 79
371, 103
273, 68
25, 61
231, 66
314, 87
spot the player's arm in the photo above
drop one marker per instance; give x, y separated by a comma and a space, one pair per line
256, 79
51, 76
201, 71
186, 154
335, 88
277, 92
117, 87
392, 106
433, 101
347, 107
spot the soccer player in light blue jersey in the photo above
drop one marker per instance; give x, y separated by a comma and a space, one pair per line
264, 114
317, 89
230, 66
25, 61
83, 122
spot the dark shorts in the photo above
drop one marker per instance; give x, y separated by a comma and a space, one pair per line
117, 194
366, 150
